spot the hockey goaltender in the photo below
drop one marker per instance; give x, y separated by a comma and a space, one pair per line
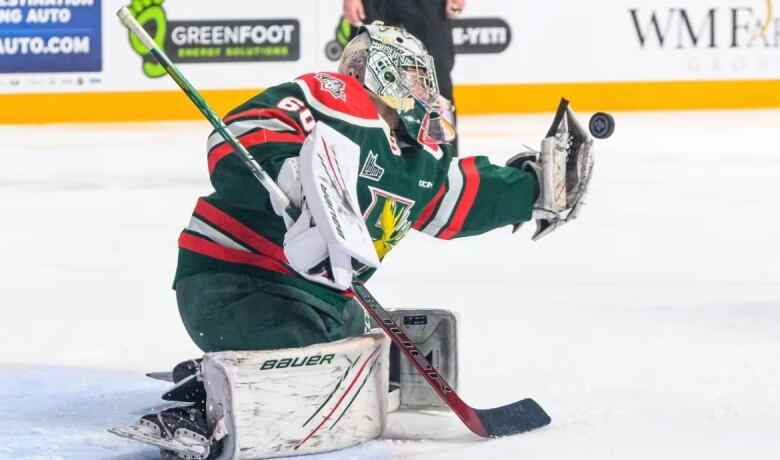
292, 365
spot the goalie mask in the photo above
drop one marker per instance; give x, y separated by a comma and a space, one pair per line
394, 65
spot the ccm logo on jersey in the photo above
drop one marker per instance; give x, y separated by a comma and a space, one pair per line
300, 361
425, 184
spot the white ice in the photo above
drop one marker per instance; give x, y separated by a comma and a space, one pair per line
649, 328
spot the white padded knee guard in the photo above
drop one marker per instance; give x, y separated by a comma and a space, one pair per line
298, 401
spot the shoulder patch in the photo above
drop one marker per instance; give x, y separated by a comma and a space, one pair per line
339, 93
332, 85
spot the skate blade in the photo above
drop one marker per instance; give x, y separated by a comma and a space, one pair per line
164, 376
149, 434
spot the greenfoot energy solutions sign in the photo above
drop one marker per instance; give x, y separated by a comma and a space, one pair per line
241, 40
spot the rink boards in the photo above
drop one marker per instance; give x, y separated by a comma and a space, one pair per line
77, 63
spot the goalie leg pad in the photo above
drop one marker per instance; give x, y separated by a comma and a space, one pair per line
435, 334
298, 401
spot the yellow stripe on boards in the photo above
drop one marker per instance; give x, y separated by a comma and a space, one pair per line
112, 107
591, 97
469, 100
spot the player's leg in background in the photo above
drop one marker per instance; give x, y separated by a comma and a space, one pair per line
230, 311
377, 10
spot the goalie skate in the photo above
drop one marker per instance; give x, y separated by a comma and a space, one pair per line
185, 444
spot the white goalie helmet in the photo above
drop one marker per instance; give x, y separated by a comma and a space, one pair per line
394, 65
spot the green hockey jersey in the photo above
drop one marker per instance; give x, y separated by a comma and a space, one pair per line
403, 183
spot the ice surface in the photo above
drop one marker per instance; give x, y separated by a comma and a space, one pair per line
649, 328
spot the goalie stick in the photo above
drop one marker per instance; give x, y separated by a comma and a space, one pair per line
518, 417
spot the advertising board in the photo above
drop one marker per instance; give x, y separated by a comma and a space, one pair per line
511, 56
37, 38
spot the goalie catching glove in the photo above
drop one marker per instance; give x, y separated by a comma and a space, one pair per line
329, 240
563, 169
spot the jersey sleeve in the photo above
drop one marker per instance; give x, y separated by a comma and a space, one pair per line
270, 133
478, 196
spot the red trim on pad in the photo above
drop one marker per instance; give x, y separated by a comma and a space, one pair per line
351, 384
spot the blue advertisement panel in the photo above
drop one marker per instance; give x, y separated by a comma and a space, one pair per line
50, 36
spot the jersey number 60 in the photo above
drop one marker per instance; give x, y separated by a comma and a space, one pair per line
293, 104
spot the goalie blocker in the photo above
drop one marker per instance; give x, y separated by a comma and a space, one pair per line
329, 239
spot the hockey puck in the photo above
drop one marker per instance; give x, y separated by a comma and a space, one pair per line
601, 125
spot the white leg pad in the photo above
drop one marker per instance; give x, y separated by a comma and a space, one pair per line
434, 331
298, 401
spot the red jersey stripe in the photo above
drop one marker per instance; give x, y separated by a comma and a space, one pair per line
428, 211
265, 113
207, 248
244, 234
471, 177
250, 140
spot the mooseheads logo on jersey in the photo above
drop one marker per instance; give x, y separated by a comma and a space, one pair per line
387, 216
332, 85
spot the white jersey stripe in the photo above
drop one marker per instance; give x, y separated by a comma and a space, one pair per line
202, 228
448, 202
237, 128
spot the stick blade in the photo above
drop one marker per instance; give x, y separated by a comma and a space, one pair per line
515, 418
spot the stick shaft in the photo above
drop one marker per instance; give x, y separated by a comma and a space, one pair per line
467, 414
132, 24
